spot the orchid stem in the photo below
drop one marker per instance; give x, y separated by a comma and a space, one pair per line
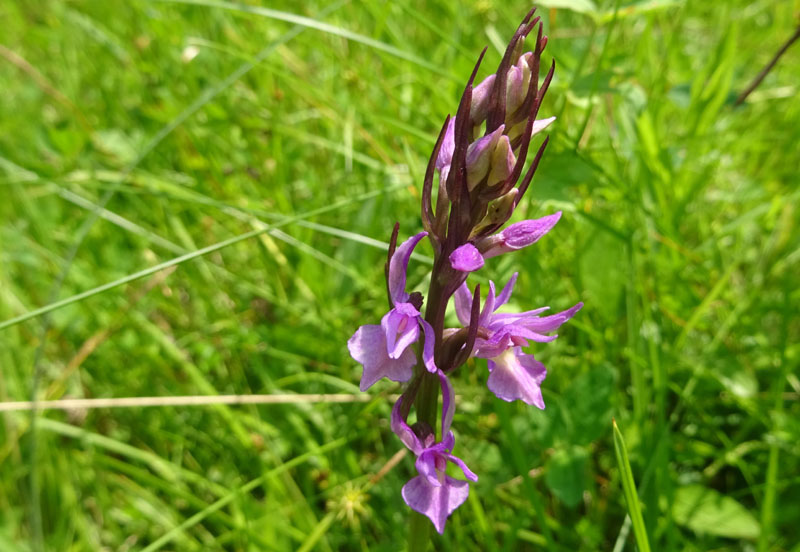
426, 404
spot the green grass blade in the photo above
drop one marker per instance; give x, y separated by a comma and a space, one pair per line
629, 490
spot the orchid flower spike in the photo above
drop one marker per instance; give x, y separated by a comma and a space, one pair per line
479, 157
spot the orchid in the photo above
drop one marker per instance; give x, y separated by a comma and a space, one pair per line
384, 350
433, 493
513, 374
479, 156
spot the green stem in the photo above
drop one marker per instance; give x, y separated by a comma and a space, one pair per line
427, 401
419, 535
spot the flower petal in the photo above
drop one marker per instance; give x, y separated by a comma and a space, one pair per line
368, 347
517, 376
542, 324
466, 258
505, 295
437, 503
463, 303
448, 403
398, 267
541, 124
448, 146
401, 328
480, 100
402, 430
426, 466
468, 473
518, 235
428, 345
479, 155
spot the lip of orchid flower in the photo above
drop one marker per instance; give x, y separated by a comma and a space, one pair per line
368, 347
514, 375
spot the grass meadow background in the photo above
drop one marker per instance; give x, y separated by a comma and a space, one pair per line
133, 133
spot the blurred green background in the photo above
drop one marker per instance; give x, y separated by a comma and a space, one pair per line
194, 122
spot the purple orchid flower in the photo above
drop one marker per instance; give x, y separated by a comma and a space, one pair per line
512, 374
385, 350
517, 236
469, 257
433, 493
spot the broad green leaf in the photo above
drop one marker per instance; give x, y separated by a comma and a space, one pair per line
589, 404
566, 475
602, 271
705, 510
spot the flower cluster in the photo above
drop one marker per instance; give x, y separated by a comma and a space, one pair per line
479, 157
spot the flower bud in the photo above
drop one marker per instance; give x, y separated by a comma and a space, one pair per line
480, 101
502, 162
538, 126
479, 156
517, 236
519, 78
498, 212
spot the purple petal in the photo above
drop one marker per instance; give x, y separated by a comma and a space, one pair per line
428, 345
500, 319
518, 235
480, 100
398, 267
517, 376
463, 303
541, 124
468, 473
448, 404
490, 348
437, 503
479, 155
448, 146
401, 328
466, 258
401, 429
488, 307
515, 93
548, 323
505, 295
368, 347
426, 466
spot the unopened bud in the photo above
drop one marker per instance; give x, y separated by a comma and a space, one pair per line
498, 212
502, 163
518, 235
480, 101
479, 156
538, 126
519, 78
